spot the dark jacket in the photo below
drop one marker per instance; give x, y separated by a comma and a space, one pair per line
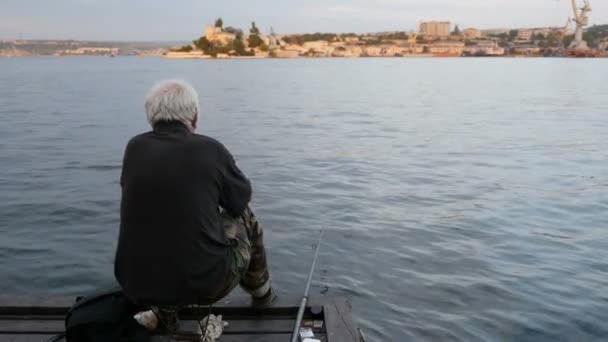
172, 248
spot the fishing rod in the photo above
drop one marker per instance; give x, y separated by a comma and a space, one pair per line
300, 317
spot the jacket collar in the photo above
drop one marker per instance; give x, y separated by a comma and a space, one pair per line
171, 127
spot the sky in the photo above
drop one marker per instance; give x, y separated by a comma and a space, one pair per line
184, 20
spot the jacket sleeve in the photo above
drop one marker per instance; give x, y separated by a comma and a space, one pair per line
235, 193
125, 159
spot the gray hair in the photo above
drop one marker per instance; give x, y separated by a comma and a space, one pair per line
172, 100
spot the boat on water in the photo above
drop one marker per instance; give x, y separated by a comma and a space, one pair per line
328, 319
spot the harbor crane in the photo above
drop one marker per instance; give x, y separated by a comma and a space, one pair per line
581, 20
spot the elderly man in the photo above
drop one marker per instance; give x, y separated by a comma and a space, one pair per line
187, 235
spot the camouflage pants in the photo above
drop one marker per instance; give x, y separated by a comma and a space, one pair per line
249, 266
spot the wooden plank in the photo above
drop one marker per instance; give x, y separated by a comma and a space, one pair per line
234, 327
231, 338
235, 338
44, 305
32, 305
30, 326
31, 301
46, 316
25, 338
338, 327
345, 309
226, 338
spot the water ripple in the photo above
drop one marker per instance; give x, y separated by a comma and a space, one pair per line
454, 210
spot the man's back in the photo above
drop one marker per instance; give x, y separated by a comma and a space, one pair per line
172, 248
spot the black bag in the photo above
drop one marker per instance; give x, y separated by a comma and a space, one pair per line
105, 316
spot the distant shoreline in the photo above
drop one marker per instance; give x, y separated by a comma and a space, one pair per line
207, 57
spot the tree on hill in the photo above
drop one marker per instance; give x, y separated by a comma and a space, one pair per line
568, 40
456, 30
185, 48
539, 36
553, 39
396, 36
239, 47
599, 30
254, 40
203, 44
235, 47
219, 23
291, 40
591, 38
300, 39
254, 29
237, 32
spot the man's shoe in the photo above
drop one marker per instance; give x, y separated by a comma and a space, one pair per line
261, 303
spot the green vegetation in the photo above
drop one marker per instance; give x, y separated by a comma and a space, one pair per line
538, 36
254, 39
456, 31
185, 48
203, 44
501, 36
239, 48
219, 23
396, 36
235, 47
568, 40
303, 38
373, 41
595, 35
554, 39
237, 32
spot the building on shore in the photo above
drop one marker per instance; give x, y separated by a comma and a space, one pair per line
526, 50
446, 48
472, 33
351, 40
491, 32
217, 35
289, 51
487, 48
528, 34
435, 28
